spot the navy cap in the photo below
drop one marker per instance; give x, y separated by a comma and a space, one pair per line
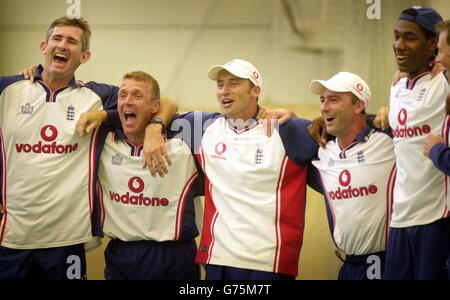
425, 17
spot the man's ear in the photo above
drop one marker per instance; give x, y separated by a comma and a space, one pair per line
156, 105
43, 47
257, 90
360, 106
85, 56
432, 44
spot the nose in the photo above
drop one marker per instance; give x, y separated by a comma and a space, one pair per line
126, 99
399, 44
62, 44
324, 106
223, 90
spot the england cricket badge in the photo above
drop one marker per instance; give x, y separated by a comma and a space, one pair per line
259, 156
70, 113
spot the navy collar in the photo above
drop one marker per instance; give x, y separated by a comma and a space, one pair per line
362, 137
135, 150
118, 134
38, 76
249, 124
411, 82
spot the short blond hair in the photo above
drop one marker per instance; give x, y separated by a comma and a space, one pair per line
79, 23
145, 77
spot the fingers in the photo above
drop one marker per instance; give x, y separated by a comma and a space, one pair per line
167, 158
92, 127
384, 118
437, 69
158, 164
28, 73
283, 119
269, 125
261, 113
81, 126
323, 138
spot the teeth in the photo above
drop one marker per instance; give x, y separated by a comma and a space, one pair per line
128, 114
61, 55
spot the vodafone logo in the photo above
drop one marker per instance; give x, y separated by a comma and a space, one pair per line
49, 133
345, 178
220, 148
403, 131
349, 192
359, 87
255, 75
136, 185
402, 117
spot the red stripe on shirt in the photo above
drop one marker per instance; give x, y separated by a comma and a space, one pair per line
389, 199
91, 171
209, 219
291, 218
181, 202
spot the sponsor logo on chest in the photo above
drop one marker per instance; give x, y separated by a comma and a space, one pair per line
346, 191
47, 145
136, 197
405, 131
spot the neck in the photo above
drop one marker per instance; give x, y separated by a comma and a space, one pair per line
136, 140
245, 120
53, 82
426, 68
347, 138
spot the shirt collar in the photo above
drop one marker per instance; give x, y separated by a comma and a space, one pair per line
119, 135
362, 137
38, 76
249, 124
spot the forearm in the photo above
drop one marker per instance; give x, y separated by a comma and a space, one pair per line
167, 111
440, 155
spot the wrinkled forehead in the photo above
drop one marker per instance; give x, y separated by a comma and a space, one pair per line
327, 93
130, 85
66, 30
225, 75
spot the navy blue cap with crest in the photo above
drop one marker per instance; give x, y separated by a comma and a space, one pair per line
425, 17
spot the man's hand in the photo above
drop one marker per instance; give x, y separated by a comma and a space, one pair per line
89, 121
156, 158
397, 76
29, 73
270, 117
430, 141
318, 132
382, 118
437, 69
